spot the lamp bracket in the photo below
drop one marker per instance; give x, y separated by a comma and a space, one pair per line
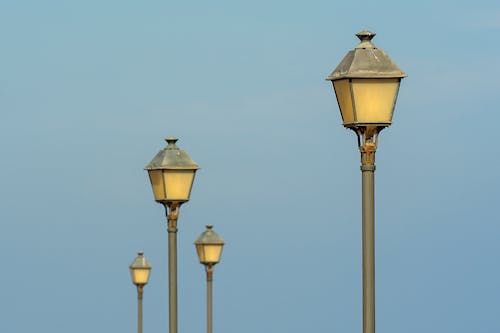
140, 291
367, 144
172, 210
209, 268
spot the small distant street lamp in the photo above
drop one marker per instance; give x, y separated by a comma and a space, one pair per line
139, 270
366, 83
172, 174
209, 247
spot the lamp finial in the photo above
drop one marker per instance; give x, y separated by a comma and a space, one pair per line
365, 35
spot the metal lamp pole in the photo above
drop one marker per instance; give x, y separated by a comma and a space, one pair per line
366, 83
172, 216
209, 269
140, 290
209, 248
140, 270
171, 173
368, 234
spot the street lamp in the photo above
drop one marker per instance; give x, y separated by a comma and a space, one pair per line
171, 173
209, 248
366, 83
139, 270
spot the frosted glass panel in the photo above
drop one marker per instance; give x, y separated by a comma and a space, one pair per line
374, 99
212, 253
178, 184
209, 253
343, 91
140, 276
201, 254
157, 184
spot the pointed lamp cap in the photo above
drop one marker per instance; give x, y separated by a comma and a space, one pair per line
366, 61
209, 237
171, 157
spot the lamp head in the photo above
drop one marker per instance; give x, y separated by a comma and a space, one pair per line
171, 173
366, 83
209, 246
140, 269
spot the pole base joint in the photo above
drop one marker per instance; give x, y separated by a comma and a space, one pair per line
367, 167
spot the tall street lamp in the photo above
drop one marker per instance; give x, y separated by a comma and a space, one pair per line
209, 247
172, 174
366, 83
139, 270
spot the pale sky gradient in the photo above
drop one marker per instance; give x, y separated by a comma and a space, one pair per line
89, 89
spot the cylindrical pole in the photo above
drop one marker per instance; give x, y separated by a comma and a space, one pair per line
172, 281
140, 290
173, 213
210, 270
368, 235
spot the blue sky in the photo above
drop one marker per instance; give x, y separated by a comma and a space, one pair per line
89, 89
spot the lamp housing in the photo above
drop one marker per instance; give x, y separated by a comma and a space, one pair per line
140, 270
171, 173
209, 246
366, 83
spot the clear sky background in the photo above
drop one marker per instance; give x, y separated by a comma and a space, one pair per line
89, 89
